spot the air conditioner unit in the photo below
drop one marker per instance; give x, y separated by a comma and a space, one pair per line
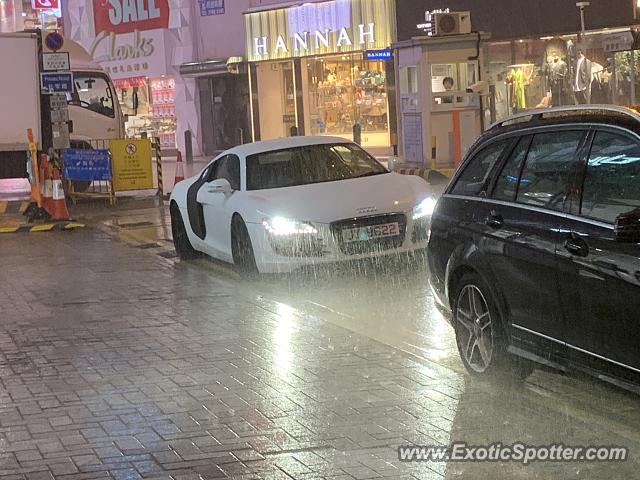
452, 23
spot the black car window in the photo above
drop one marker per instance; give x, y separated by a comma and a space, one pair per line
507, 183
226, 167
545, 177
612, 181
473, 179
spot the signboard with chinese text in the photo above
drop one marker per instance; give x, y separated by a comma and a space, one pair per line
131, 165
59, 82
55, 61
86, 164
211, 7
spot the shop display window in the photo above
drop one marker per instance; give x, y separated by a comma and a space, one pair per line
566, 70
155, 113
345, 90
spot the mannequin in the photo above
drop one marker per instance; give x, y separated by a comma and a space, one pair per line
582, 81
556, 75
516, 78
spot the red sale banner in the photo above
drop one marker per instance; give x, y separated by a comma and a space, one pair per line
124, 16
45, 4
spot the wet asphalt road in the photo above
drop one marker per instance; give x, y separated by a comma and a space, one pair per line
140, 366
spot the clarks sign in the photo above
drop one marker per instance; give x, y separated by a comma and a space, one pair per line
338, 26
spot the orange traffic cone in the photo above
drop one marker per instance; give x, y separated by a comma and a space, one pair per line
179, 169
46, 184
58, 209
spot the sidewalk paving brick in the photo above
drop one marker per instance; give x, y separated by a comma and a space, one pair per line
117, 365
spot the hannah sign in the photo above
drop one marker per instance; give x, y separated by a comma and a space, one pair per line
339, 26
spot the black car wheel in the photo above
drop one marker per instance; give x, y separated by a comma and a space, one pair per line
480, 337
242, 250
181, 242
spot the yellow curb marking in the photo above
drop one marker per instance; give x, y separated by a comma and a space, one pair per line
43, 228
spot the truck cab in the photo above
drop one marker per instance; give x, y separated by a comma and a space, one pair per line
93, 105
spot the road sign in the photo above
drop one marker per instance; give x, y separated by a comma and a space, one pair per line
618, 42
59, 82
86, 164
55, 61
54, 41
131, 165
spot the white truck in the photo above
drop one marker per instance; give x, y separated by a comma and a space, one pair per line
94, 111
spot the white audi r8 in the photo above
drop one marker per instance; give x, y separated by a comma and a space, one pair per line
278, 205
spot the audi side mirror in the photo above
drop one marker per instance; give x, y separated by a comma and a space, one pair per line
627, 227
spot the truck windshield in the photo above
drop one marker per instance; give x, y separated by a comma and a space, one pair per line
92, 91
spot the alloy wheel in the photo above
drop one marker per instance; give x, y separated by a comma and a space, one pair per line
475, 329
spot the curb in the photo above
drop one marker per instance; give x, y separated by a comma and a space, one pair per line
43, 227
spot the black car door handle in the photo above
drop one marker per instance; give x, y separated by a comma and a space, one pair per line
494, 220
576, 246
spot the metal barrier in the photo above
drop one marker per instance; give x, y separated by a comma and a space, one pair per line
108, 188
95, 188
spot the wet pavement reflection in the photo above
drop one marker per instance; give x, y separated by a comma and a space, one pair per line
157, 368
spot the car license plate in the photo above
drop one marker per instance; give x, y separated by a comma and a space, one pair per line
373, 232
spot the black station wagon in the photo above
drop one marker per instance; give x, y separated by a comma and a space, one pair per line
534, 249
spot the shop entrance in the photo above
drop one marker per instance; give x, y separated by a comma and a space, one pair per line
277, 99
343, 90
225, 106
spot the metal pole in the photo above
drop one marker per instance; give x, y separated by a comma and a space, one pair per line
632, 66
188, 146
159, 167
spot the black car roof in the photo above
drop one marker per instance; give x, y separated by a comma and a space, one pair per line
593, 114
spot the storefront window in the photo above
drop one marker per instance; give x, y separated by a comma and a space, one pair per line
567, 70
150, 106
345, 90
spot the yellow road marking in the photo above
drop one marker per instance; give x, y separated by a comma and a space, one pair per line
74, 225
43, 228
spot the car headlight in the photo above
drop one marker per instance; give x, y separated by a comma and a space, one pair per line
424, 208
281, 227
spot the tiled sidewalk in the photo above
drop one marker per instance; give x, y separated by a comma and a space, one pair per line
114, 364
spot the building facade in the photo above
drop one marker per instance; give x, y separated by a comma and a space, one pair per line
533, 55
141, 45
321, 68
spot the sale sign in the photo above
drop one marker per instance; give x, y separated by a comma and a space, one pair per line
45, 4
125, 16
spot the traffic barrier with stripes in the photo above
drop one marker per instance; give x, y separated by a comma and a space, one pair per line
43, 227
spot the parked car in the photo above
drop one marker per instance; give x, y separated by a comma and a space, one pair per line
278, 205
534, 248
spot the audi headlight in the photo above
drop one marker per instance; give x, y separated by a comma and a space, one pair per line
284, 227
424, 208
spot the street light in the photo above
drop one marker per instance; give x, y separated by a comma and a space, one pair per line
582, 6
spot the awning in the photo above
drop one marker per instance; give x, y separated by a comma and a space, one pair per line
207, 68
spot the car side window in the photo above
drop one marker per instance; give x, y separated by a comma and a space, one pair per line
612, 180
473, 179
507, 184
547, 171
229, 168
